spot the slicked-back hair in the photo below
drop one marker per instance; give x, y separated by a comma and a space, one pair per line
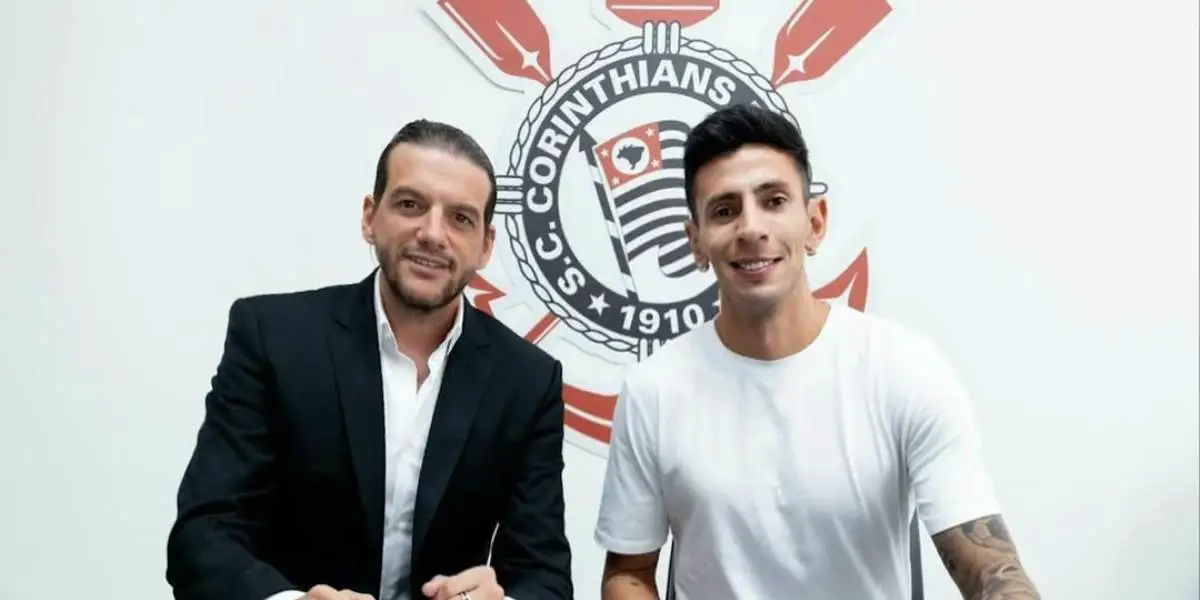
434, 134
730, 128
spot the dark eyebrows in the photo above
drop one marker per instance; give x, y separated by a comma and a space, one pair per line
405, 191
774, 185
724, 196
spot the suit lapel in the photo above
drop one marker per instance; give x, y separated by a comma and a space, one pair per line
354, 345
463, 387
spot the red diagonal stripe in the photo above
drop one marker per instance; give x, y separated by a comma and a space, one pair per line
819, 33
507, 32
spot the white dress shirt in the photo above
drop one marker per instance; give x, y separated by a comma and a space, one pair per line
408, 413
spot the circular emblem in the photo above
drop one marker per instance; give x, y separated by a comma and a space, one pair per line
594, 189
594, 207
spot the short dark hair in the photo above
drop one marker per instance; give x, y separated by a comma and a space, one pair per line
732, 127
445, 137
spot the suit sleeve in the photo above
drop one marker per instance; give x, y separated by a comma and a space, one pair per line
530, 553
215, 545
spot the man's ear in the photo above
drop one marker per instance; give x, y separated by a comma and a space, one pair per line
693, 236
368, 217
489, 241
818, 222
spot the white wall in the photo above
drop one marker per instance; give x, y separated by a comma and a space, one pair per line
1024, 174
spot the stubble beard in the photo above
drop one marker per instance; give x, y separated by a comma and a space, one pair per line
391, 274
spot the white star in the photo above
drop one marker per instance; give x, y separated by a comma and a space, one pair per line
649, 131
615, 181
796, 61
604, 152
598, 304
528, 57
654, 163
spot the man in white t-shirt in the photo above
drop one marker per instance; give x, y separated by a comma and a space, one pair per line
787, 443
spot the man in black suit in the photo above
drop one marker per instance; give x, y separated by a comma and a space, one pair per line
367, 440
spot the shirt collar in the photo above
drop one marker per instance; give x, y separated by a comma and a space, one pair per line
383, 328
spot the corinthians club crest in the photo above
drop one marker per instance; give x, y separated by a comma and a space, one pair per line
594, 262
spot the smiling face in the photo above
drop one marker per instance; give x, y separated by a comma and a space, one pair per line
753, 225
428, 227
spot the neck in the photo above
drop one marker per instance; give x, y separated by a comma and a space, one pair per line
774, 333
418, 332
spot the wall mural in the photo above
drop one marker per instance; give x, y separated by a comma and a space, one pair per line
590, 210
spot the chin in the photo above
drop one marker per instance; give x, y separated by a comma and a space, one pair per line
755, 298
426, 302
426, 295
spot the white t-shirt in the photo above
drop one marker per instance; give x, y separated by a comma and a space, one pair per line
794, 478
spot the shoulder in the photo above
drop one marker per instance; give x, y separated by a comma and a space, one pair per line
912, 361
673, 366
294, 304
888, 348
296, 321
916, 377
902, 367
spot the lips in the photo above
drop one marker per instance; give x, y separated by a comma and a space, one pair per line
753, 265
428, 262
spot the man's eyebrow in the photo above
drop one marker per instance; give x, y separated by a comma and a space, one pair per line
723, 196
766, 186
404, 190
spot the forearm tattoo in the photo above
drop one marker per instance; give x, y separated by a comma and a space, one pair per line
982, 559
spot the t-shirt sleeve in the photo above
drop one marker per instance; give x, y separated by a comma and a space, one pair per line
941, 443
633, 518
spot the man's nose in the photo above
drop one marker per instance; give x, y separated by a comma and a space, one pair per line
432, 230
751, 224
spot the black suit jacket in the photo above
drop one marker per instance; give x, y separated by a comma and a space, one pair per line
285, 488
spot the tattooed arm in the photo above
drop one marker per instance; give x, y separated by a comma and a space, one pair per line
630, 577
951, 483
982, 560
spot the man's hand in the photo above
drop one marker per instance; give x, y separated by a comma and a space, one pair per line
479, 582
324, 592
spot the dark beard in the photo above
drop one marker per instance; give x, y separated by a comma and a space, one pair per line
453, 289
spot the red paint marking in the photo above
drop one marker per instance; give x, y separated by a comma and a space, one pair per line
595, 431
541, 328
686, 12
854, 279
508, 32
819, 33
488, 293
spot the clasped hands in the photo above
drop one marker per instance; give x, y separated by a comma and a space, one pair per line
478, 582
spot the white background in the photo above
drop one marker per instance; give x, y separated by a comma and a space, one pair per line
1025, 173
